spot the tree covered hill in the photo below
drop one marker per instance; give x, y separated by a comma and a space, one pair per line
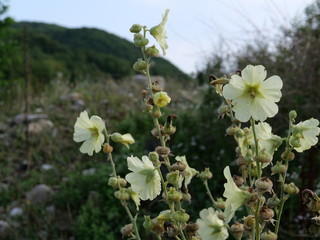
82, 53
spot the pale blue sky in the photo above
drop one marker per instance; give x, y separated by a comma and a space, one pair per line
195, 28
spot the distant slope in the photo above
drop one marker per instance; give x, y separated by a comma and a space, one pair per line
84, 52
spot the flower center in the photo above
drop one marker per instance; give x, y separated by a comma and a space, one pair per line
253, 91
215, 228
149, 173
94, 132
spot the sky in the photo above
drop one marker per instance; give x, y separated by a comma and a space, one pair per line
195, 28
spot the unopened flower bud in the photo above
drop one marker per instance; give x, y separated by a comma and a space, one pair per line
137, 36
263, 184
173, 177
186, 197
107, 148
127, 230
291, 188
155, 112
273, 202
122, 194
163, 151
287, 154
135, 28
140, 65
266, 213
191, 229
116, 182
125, 139
180, 166
174, 195
152, 51
221, 216
239, 133
168, 128
279, 168
232, 130
237, 229
153, 156
292, 115
248, 223
295, 142
264, 157
268, 235
206, 174
220, 203
238, 180
180, 216
156, 87
155, 132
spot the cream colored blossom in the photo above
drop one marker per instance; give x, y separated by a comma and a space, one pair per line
267, 141
161, 99
135, 197
189, 172
144, 178
160, 34
306, 133
90, 132
210, 226
234, 195
125, 139
252, 96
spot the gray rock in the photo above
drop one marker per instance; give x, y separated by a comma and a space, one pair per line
22, 118
40, 194
39, 126
89, 171
16, 212
4, 229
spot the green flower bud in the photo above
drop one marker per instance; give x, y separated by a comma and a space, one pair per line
279, 168
173, 177
264, 157
148, 223
115, 182
287, 154
141, 42
165, 216
154, 157
295, 142
135, 28
223, 109
138, 36
122, 194
239, 133
186, 197
174, 195
152, 51
292, 115
206, 174
140, 65
180, 217
268, 235
291, 188
273, 202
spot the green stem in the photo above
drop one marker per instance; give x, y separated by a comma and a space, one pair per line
124, 203
257, 225
283, 180
205, 183
256, 148
182, 235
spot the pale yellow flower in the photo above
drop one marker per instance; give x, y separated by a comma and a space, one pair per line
160, 34
90, 132
125, 139
135, 197
234, 195
210, 226
144, 178
252, 96
161, 99
189, 172
306, 133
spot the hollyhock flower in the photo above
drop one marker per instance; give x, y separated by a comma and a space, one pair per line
160, 34
189, 172
305, 133
89, 131
144, 178
125, 139
234, 195
161, 99
210, 226
251, 96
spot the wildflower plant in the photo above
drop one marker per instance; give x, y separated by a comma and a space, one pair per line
246, 97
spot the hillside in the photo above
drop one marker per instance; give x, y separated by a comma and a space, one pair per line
83, 53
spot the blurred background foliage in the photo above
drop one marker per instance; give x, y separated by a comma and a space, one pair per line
70, 70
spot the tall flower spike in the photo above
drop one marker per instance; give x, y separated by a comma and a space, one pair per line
235, 196
144, 179
160, 34
252, 96
89, 131
210, 226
